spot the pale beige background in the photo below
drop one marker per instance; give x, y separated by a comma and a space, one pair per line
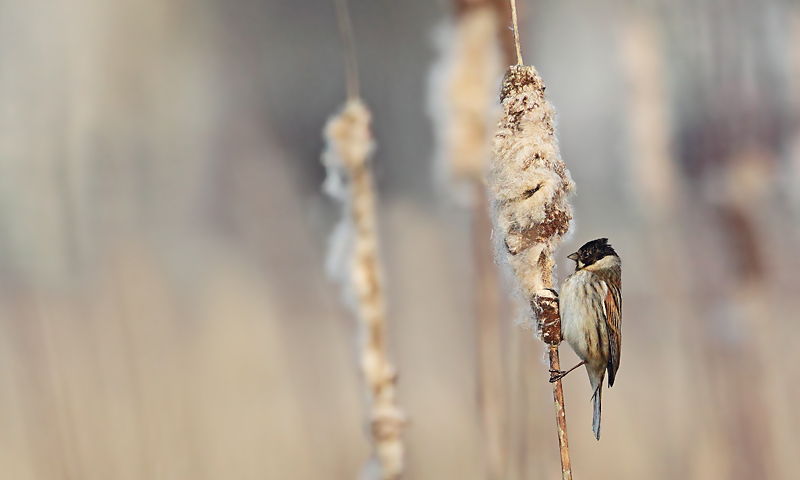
164, 312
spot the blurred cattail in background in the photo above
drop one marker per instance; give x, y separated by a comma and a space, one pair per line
349, 145
462, 95
659, 199
354, 262
474, 46
653, 172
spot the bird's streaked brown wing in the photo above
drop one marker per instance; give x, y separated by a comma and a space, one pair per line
613, 313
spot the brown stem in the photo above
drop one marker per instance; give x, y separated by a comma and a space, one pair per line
349, 48
561, 417
550, 323
516, 31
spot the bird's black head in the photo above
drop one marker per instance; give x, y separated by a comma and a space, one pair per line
592, 252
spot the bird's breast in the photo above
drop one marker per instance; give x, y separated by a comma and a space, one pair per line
581, 305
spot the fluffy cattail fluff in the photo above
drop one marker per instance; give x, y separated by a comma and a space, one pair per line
354, 262
529, 186
463, 84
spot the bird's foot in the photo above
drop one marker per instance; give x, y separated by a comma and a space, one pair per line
556, 375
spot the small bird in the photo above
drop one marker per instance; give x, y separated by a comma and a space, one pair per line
591, 316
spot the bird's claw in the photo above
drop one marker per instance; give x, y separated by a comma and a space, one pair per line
556, 375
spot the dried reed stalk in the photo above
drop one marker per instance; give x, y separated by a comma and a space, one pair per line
529, 186
354, 261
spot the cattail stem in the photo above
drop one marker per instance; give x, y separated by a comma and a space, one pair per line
561, 417
348, 48
516, 31
548, 315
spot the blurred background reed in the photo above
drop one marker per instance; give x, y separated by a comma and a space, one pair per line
164, 312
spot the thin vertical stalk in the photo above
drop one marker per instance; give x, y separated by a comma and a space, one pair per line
561, 417
348, 48
516, 31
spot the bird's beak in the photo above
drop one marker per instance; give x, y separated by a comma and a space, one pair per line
573, 256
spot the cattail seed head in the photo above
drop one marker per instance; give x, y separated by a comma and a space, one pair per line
355, 263
463, 86
349, 145
529, 186
349, 136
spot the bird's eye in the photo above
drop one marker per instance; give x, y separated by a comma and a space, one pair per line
529, 193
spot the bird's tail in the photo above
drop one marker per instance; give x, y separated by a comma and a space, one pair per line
596, 420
